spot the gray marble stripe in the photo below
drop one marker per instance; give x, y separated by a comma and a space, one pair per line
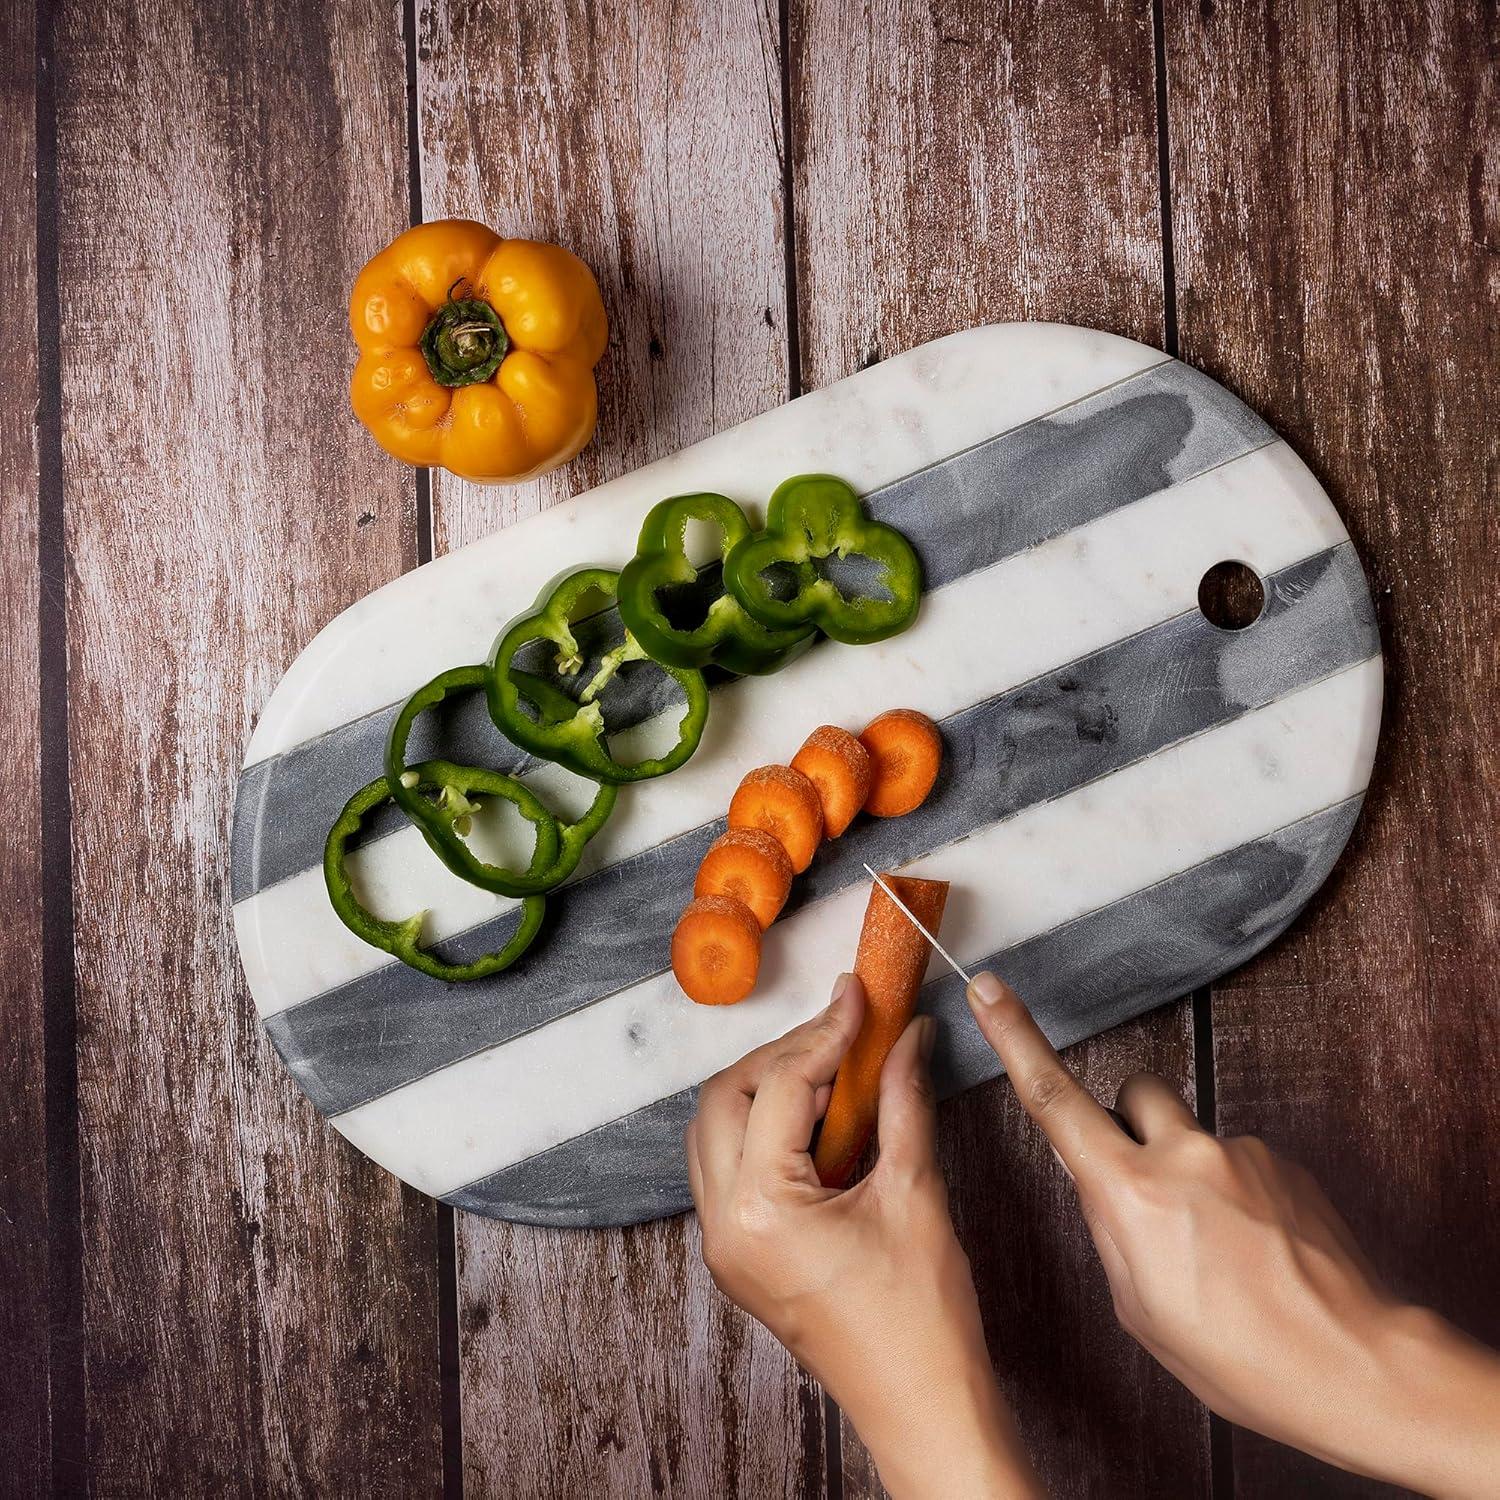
1035, 742
1079, 979
1058, 472
629, 1171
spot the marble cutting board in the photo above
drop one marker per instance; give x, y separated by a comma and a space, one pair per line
1133, 802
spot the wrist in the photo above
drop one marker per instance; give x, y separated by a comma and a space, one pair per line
950, 1436
1435, 1428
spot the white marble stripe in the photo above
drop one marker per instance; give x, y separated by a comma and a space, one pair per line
1015, 879
873, 428
1122, 573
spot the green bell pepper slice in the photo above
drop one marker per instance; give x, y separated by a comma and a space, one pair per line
728, 635
812, 517
443, 821
577, 741
555, 706
403, 939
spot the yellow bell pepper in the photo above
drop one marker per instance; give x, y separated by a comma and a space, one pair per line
477, 353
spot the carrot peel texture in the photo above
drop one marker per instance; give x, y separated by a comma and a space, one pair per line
839, 767
890, 963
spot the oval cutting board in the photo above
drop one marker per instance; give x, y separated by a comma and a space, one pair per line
1133, 802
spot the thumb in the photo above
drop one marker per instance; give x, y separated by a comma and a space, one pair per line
908, 1106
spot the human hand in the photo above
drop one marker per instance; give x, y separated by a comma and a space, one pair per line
868, 1287
1233, 1269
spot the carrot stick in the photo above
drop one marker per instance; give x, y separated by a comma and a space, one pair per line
716, 950
784, 803
906, 751
891, 960
839, 767
752, 867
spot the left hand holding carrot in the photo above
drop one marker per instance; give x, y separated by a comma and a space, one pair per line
869, 1287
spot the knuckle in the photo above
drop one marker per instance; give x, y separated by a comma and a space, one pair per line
714, 1255
1047, 1091
829, 1023
1135, 1084
1008, 1019
1253, 1149
920, 1088
1197, 1151
713, 1090
750, 1216
790, 1067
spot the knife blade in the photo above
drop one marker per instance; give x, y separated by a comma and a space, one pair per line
906, 912
953, 964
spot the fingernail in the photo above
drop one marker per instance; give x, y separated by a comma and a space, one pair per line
986, 989
927, 1037
840, 987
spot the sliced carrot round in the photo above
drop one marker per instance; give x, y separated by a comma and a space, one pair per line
751, 866
839, 767
783, 803
716, 950
906, 752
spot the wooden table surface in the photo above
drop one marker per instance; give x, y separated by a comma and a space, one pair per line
202, 1289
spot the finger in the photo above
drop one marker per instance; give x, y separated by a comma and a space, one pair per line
1152, 1107
1315, 1215
719, 1129
786, 1096
746, 1074
907, 1122
719, 1132
724, 1102
1079, 1127
694, 1170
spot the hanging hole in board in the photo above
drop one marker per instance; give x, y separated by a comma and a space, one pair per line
1231, 595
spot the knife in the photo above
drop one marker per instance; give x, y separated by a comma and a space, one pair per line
907, 912
953, 964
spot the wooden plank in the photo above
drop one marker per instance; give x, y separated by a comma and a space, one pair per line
954, 165
1336, 196
260, 1303
647, 137
25, 1435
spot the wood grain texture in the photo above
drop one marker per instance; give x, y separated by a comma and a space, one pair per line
25, 1430
962, 163
647, 137
644, 134
1336, 196
955, 165
260, 1303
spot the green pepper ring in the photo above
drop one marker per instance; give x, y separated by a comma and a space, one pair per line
729, 636
402, 939
555, 706
816, 516
559, 846
577, 741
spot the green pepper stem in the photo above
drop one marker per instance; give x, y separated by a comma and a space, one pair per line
464, 343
